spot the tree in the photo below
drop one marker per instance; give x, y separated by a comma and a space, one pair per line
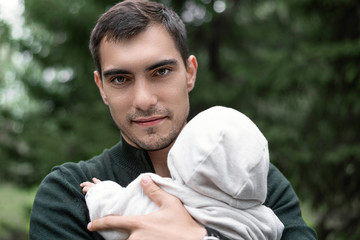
291, 66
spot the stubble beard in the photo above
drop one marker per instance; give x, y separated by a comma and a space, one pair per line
156, 142
153, 141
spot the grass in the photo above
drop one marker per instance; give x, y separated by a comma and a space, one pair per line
309, 216
15, 207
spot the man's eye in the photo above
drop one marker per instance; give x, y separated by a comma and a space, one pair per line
162, 72
118, 79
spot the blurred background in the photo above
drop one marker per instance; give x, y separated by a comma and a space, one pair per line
292, 66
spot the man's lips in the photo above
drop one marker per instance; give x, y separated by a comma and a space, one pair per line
148, 122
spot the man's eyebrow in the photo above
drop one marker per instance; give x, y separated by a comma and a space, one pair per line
114, 71
162, 63
118, 71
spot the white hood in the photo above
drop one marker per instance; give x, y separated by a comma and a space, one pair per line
228, 145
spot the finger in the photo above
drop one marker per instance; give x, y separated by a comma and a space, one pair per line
95, 180
155, 193
124, 223
86, 186
83, 184
85, 189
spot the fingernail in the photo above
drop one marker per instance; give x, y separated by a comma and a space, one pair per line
146, 179
89, 226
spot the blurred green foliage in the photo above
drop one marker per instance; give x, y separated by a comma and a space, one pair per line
15, 206
292, 66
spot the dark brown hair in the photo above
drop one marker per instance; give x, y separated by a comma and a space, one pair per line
128, 18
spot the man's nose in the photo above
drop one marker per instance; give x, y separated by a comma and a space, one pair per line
144, 94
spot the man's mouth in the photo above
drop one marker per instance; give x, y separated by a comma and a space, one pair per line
149, 121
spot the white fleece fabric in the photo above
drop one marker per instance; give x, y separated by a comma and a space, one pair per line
219, 165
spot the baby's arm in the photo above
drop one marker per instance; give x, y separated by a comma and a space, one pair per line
87, 185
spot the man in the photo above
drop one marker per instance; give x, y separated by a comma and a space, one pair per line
144, 74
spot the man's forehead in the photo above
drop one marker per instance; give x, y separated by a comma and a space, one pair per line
152, 45
113, 37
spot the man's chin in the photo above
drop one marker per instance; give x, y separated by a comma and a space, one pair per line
154, 146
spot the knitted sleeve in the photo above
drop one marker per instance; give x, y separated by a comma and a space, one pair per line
282, 199
59, 210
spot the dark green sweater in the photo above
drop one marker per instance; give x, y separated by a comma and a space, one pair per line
60, 211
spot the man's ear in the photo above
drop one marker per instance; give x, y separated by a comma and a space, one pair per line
99, 84
191, 71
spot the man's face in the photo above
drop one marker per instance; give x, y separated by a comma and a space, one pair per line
146, 86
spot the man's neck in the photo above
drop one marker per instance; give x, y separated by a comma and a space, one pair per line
159, 161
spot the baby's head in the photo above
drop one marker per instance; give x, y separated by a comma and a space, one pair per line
218, 148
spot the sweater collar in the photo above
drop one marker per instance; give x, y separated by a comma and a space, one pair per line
133, 158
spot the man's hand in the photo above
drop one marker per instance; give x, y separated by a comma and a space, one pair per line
171, 221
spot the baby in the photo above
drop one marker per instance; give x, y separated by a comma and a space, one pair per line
218, 165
